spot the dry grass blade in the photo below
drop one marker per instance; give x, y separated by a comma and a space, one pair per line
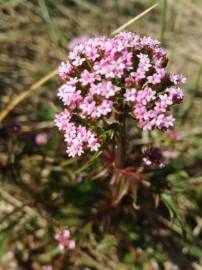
38, 126
11, 199
134, 19
25, 94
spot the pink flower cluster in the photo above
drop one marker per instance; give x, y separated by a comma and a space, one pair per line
102, 73
41, 138
47, 267
77, 40
64, 240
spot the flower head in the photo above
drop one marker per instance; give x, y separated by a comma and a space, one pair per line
77, 40
47, 267
64, 240
100, 74
41, 138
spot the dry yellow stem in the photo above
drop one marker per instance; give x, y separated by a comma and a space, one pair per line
122, 27
25, 94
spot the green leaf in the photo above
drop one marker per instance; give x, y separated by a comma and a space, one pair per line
128, 258
107, 244
172, 207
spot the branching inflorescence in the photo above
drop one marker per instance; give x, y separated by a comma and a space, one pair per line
103, 73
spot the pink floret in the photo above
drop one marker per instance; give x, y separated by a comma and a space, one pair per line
64, 240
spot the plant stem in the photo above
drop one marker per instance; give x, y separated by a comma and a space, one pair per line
120, 140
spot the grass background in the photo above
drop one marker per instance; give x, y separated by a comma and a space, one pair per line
38, 187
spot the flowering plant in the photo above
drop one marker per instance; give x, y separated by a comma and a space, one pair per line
130, 198
109, 79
